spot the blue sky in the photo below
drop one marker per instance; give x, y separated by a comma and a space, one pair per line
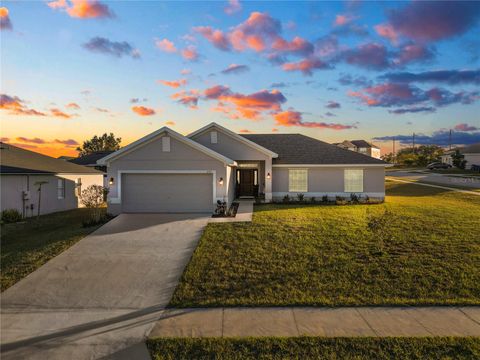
97, 56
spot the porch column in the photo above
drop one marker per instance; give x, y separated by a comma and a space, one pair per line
268, 180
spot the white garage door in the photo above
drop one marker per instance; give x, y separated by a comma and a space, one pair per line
167, 193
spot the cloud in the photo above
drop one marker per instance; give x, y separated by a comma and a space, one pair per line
170, 123
278, 85
4, 139
440, 137
306, 66
59, 113
216, 37
16, 106
412, 53
434, 20
245, 131
372, 56
185, 72
417, 109
166, 45
114, 48
387, 31
466, 127
233, 7
333, 105
102, 110
174, 83
274, 130
330, 114
67, 142
73, 105
83, 9
137, 100
190, 53
347, 79
343, 19
5, 22
143, 111
452, 77
235, 69
294, 118
187, 98
30, 141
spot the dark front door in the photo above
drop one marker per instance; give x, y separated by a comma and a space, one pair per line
246, 182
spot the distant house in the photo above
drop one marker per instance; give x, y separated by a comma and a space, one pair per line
471, 155
360, 146
22, 171
90, 161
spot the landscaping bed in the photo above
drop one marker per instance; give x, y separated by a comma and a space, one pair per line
315, 348
27, 245
326, 255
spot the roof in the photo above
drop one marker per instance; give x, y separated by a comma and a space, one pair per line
363, 144
15, 160
471, 149
90, 159
173, 134
301, 149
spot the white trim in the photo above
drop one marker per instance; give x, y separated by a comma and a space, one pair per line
318, 195
329, 165
118, 199
153, 136
235, 136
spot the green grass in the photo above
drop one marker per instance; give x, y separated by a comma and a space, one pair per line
324, 255
27, 246
315, 348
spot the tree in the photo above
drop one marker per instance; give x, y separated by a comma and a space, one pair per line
420, 156
458, 159
99, 143
93, 197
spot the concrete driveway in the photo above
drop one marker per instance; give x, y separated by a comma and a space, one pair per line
100, 298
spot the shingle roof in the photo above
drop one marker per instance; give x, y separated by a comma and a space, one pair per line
471, 149
15, 160
301, 149
363, 144
90, 159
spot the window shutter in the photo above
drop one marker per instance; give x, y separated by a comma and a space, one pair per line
166, 144
213, 137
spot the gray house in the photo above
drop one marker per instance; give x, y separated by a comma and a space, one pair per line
22, 171
361, 146
168, 172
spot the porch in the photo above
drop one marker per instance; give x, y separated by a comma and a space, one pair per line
252, 179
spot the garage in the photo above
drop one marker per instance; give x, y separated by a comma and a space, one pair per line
176, 193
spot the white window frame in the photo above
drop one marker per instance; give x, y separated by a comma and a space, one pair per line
213, 137
61, 188
353, 180
295, 182
166, 144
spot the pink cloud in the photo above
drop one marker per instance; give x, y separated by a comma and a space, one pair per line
187, 98
341, 20
370, 56
216, 37
73, 105
174, 83
387, 31
465, 127
233, 7
166, 45
411, 53
59, 113
83, 9
294, 118
190, 53
143, 111
306, 66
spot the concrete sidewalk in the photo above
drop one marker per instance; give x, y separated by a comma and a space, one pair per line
320, 321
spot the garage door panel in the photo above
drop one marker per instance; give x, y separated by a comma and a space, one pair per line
167, 193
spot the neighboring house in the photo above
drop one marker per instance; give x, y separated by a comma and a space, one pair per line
21, 172
361, 146
90, 161
446, 158
168, 172
471, 155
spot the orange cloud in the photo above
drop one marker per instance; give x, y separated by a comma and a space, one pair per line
306, 66
73, 106
245, 131
59, 113
174, 83
143, 111
170, 123
16, 106
30, 141
187, 98
190, 53
5, 22
294, 118
83, 9
166, 45
274, 130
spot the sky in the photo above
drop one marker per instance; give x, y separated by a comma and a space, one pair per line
72, 69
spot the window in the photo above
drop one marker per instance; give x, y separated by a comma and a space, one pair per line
298, 180
213, 137
363, 150
61, 188
165, 144
353, 180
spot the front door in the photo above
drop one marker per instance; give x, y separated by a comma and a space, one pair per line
246, 179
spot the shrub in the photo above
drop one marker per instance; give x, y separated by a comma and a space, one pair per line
300, 197
339, 200
325, 198
11, 216
286, 199
354, 198
312, 199
93, 198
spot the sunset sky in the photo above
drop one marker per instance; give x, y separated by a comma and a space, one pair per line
71, 69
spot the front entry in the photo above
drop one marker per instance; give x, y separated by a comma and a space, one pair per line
247, 182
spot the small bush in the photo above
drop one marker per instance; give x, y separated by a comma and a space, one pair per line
312, 199
286, 199
339, 200
11, 216
300, 197
93, 198
325, 199
354, 198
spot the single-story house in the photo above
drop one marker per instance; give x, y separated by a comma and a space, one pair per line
90, 161
471, 154
168, 172
22, 171
361, 146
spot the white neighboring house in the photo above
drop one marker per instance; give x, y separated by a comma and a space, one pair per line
21, 172
361, 146
90, 161
471, 155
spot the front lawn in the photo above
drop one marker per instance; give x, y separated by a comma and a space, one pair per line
325, 255
27, 246
315, 348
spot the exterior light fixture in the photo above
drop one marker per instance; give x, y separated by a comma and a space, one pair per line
268, 176
111, 181
220, 181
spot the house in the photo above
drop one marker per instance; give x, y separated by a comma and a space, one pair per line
22, 171
471, 154
446, 158
90, 161
361, 146
168, 172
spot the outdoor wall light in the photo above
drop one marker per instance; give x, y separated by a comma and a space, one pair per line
220, 181
268, 175
111, 181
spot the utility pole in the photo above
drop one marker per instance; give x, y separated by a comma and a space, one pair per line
413, 143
